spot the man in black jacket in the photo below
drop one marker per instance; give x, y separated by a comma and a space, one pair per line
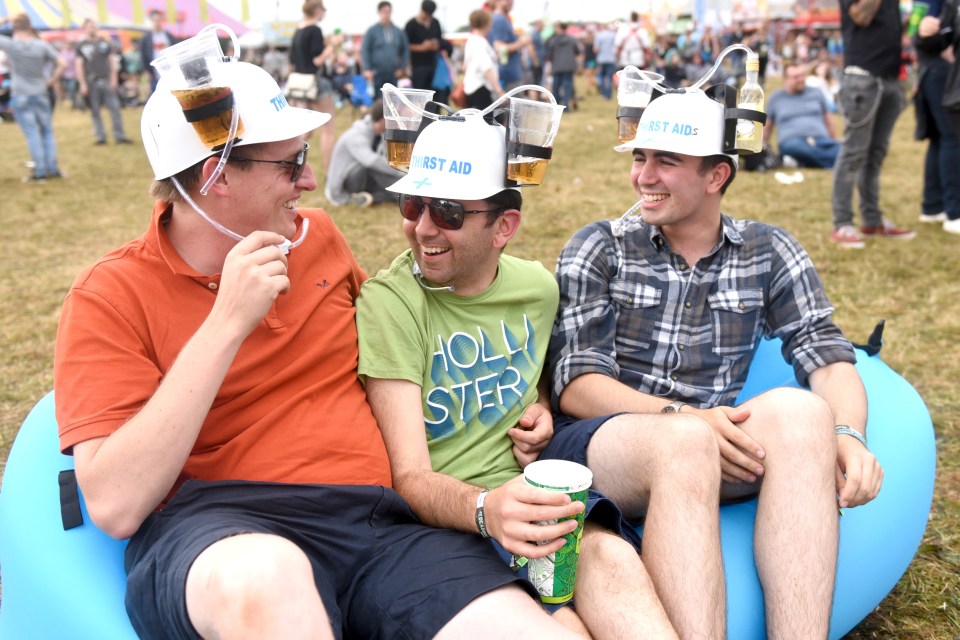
941, 183
153, 43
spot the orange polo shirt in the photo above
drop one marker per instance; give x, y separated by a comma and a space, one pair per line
291, 408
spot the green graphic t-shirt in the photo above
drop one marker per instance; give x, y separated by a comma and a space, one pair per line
477, 358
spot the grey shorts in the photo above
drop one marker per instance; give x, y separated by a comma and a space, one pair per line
374, 563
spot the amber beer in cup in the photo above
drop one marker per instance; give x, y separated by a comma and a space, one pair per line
402, 111
527, 171
634, 91
533, 123
399, 153
214, 129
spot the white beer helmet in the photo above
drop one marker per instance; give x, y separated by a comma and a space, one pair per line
172, 145
689, 123
458, 157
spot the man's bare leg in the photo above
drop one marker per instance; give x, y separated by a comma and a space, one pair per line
507, 612
255, 586
614, 596
668, 468
796, 532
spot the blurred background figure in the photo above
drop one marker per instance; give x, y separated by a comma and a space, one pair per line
532, 57
806, 136
385, 51
936, 35
632, 43
153, 43
606, 56
481, 73
359, 173
69, 88
309, 54
823, 79
276, 63
562, 52
98, 72
428, 51
507, 44
28, 58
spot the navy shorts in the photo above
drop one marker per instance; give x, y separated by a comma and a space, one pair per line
600, 510
375, 565
571, 437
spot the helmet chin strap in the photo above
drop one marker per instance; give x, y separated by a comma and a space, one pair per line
284, 246
418, 274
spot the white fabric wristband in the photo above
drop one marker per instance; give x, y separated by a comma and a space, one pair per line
844, 430
481, 514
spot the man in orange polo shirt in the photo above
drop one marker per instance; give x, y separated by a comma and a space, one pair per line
206, 385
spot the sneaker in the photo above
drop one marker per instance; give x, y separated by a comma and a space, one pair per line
100, 142
888, 230
952, 226
933, 217
361, 199
34, 179
847, 237
790, 162
124, 141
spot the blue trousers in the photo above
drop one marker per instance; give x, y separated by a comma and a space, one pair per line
34, 115
816, 152
941, 168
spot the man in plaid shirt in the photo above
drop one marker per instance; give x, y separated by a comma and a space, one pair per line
662, 316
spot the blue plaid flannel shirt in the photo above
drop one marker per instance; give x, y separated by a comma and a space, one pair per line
633, 310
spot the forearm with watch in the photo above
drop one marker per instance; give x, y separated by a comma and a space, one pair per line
596, 394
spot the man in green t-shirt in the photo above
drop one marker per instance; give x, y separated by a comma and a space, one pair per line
453, 341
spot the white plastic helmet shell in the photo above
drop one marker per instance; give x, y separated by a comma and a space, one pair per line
172, 145
687, 123
457, 159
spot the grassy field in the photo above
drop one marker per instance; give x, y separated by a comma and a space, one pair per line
50, 231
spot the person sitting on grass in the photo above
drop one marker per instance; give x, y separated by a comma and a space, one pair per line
359, 173
806, 136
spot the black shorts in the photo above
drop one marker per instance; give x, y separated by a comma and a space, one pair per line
374, 563
571, 437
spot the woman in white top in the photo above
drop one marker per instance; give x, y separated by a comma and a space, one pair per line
481, 76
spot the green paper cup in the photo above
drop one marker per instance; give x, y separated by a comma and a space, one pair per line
554, 575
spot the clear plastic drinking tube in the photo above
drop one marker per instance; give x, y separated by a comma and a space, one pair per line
494, 105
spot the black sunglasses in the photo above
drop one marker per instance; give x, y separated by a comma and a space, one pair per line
445, 214
297, 165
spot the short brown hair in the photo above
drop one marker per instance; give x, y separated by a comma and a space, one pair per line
479, 19
709, 162
311, 6
21, 22
190, 178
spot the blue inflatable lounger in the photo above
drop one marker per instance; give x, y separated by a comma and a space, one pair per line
69, 582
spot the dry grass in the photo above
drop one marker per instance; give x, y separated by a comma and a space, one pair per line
51, 231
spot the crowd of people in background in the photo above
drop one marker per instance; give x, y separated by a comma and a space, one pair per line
492, 54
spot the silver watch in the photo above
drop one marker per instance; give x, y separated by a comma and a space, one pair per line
673, 407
